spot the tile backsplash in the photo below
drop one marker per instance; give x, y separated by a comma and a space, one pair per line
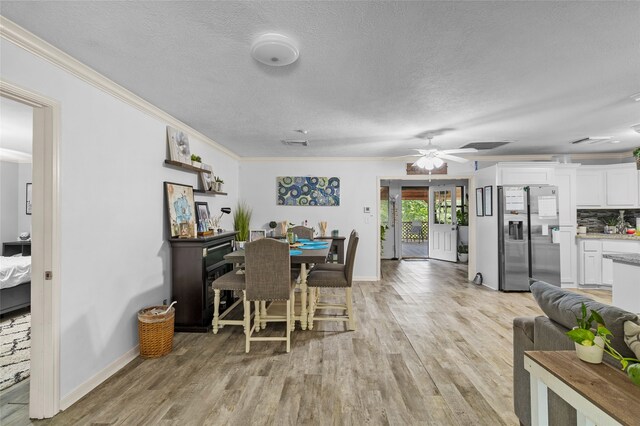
593, 219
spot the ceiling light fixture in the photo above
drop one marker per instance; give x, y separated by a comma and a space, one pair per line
276, 50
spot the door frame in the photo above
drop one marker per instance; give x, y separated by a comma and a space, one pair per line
472, 217
454, 220
44, 387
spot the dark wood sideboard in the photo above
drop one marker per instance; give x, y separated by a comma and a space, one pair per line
195, 263
336, 251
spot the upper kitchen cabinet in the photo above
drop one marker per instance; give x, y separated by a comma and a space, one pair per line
526, 174
611, 186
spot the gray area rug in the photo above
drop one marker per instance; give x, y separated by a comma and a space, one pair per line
15, 349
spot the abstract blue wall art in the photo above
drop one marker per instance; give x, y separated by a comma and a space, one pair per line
308, 191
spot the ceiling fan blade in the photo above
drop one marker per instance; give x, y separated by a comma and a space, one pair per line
423, 151
451, 157
459, 151
404, 156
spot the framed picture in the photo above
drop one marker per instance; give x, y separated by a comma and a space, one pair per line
488, 200
207, 178
28, 198
178, 145
479, 202
181, 209
203, 217
257, 234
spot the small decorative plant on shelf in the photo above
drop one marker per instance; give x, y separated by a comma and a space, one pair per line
196, 161
219, 183
592, 343
273, 225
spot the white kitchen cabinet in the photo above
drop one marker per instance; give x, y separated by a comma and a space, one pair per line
566, 183
589, 187
622, 187
567, 256
515, 174
593, 268
611, 186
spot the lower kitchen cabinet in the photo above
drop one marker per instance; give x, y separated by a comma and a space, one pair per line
593, 269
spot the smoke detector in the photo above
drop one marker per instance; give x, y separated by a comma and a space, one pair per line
275, 50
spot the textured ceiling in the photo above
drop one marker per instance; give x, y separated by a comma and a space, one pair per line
370, 74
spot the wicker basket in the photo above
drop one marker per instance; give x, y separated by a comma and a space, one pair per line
155, 331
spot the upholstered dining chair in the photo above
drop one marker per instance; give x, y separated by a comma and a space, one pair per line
339, 278
233, 280
268, 279
302, 232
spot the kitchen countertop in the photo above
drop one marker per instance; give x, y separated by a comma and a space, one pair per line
598, 236
631, 259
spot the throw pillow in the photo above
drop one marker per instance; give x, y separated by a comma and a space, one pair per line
632, 337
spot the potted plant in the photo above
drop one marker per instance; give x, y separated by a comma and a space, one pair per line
463, 253
636, 155
610, 225
196, 161
219, 183
463, 226
241, 222
592, 343
273, 225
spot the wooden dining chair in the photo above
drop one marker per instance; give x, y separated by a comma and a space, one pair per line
233, 280
268, 279
340, 278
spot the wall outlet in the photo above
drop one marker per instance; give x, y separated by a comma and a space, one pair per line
164, 302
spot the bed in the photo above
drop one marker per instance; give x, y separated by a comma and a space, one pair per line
15, 277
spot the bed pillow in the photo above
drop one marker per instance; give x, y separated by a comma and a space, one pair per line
632, 337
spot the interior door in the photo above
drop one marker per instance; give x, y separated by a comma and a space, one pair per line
443, 227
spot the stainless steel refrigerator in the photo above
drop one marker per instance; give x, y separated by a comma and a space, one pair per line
528, 238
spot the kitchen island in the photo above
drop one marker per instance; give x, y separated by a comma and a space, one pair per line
625, 291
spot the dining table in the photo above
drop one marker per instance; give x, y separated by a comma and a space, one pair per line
299, 256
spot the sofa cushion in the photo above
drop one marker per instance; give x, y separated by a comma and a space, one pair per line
563, 306
632, 337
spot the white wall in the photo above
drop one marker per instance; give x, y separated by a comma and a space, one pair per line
8, 201
24, 177
487, 232
358, 189
114, 255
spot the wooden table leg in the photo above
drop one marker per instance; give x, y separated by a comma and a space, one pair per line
539, 405
303, 296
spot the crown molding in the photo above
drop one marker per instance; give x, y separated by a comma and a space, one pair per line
22, 38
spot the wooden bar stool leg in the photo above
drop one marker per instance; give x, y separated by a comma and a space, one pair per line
216, 309
256, 318
312, 306
350, 313
289, 323
263, 314
293, 308
244, 307
247, 323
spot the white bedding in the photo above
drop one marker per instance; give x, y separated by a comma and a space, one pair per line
14, 271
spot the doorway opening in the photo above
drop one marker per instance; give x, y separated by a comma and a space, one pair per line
42, 397
424, 219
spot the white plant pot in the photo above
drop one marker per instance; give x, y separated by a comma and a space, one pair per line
240, 244
196, 164
592, 354
463, 257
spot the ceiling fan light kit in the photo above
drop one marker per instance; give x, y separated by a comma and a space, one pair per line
275, 50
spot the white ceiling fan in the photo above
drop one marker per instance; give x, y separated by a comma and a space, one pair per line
432, 157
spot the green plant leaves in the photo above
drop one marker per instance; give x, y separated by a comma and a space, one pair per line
580, 335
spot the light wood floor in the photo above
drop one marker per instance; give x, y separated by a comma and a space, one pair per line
430, 348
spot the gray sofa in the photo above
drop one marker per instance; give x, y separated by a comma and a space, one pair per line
547, 333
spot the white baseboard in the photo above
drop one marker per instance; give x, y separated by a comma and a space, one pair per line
86, 387
365, 278
568, 285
